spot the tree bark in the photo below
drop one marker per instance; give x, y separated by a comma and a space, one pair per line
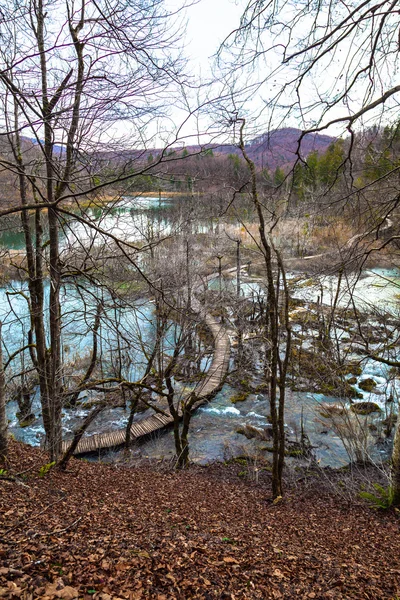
396, 465
275, 373
3, 417
78, 435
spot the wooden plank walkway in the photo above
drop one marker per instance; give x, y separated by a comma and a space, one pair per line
205, 390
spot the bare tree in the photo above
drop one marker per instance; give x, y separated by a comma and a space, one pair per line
3, 416
70, 73
277, 323
285, 49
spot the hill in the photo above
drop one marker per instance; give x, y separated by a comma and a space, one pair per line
269, 150
276, 148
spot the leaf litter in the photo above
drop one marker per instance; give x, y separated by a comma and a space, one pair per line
107, 532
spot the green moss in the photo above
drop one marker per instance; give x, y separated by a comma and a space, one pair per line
352, 368
131, 287
239, 460
294, 453
367, 384
352, 380
239, 397
307, 283
365, 408
244, 383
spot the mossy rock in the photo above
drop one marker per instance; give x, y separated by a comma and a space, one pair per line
352, 368
267, 449
365, 408
27, 420
239, 397
352, 380
328, 411
252, 432
367, 384
307, 283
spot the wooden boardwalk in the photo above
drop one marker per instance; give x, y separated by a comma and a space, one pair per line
205, 390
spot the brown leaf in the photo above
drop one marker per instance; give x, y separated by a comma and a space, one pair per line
68, 593
229, 560
278, 573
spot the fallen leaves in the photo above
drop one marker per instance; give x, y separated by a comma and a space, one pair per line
200, 534
229, 560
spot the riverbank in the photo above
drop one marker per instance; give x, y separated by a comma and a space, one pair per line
101, 531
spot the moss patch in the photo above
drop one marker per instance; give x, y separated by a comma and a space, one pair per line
239, 397
365, 408
367, 384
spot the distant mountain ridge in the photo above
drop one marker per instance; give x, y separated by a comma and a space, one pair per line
277, 148
269, 150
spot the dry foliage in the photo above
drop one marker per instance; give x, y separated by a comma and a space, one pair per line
101, 531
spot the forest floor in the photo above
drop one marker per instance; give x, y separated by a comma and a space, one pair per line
108, 531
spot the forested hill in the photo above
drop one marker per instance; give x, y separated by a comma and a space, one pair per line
277, 148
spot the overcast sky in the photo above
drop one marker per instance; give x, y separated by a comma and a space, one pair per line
209, 22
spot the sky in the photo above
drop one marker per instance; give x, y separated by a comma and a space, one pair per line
209, 22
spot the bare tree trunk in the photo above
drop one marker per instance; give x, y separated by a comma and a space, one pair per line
78, 435
183, 458
188, 277
238, 265
275, 369
174, 411
396, 465
3, 417
132, 413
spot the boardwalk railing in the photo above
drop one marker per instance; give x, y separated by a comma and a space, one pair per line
208, 387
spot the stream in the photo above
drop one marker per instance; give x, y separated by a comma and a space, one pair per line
214, 431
